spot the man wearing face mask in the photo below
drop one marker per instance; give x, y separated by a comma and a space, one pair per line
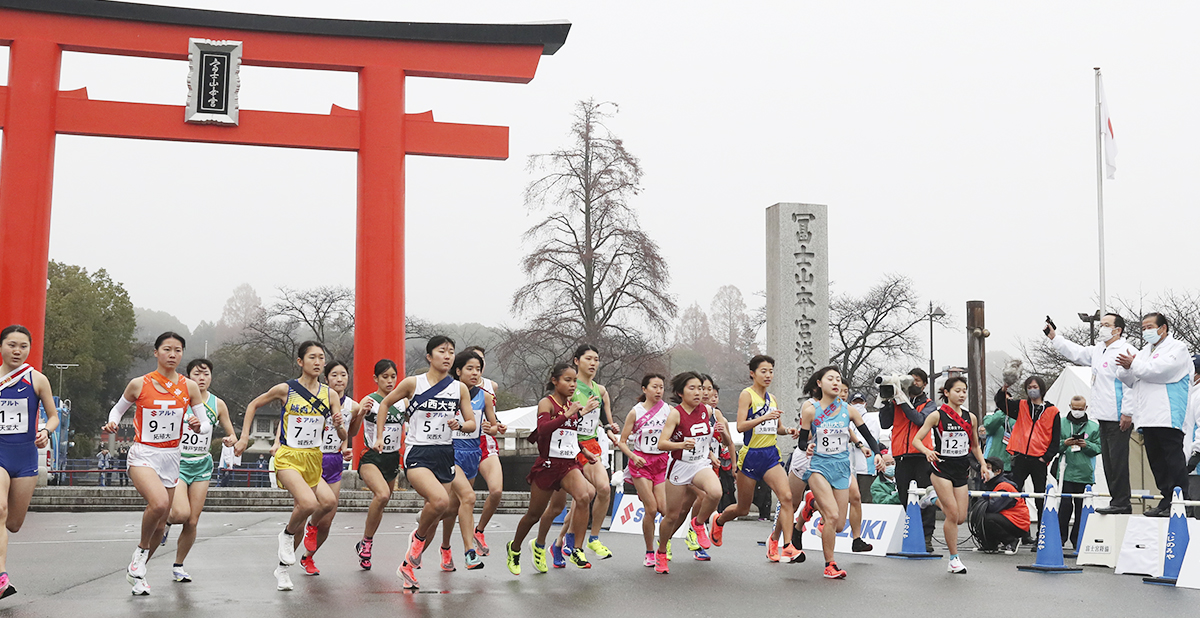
1080, 446
905, 415
1162, 372
1191, 440
1036, 434
1107, 398
883, 490
864, 467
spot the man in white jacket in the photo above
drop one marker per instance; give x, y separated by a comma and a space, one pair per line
1191, 439
1108, 402
1162, 372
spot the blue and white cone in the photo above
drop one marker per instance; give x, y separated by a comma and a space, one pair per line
913, 545
1049, 549
1087, 511
1177, 543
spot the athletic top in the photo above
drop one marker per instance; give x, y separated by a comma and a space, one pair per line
302, 419
557, 435
951, 439
488, 386
392, 427
330, 442
697, 426
158, 418
471, 440
196, 444
830, 431
589, 422
428, 422
18, 407
648, 426
763, 434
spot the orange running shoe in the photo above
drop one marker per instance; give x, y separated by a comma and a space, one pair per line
661, 565
833, 572
415, 548
718, 530
791, 554
410, 577
810, 505
310, 538
772, 549
701, 534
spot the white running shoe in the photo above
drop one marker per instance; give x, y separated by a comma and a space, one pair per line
287, 548
141, 588
957, 566
137, 566
180, 575
282, 579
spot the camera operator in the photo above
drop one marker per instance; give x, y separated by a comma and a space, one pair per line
1106, 402
1036, 435
905, 414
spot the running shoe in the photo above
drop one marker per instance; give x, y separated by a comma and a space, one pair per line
702, 555
287, 548
669, 550
649, 561
539, 556
166, 533
860, 545
180, 575
791, 554
473, 561
833, 572
957, 566
137, 566
661, 565
415, 547
772, 549
568, 543
514, 560
810, 505
283, 581
481, 547
580, 560
141, 588
556, 556
310, 538
405, 572
364, 553
702, 539
310, 567
447, 559
718, 532
4, 584
599, 549
690, 540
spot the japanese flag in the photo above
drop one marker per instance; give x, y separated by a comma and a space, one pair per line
1106, 129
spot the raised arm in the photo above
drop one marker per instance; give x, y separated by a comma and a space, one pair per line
277, 393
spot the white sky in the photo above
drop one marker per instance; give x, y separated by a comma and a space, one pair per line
953, 142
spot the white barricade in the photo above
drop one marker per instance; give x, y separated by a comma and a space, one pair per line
1101, 544
1189, 573
628, 514
1142, 546
882, 527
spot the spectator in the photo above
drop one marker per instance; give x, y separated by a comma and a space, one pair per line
883, 490
1005, 519
102, 464
1191, 440
1080, 446
905, 418
1162, 374
864, 467
998, 428
1107, 397
229, 460
1036, 435
123, 465
261, 477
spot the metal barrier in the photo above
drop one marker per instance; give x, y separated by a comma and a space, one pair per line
119, 477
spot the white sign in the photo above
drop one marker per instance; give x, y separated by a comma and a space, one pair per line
1102, 538
882, 527
214, 78
628, 515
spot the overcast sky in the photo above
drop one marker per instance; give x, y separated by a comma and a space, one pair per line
953, 142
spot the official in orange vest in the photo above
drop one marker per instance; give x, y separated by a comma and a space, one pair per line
905, 415
1035, 435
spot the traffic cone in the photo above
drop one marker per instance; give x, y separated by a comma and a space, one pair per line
1049, 550
913, 545
1082, 516
1177, 543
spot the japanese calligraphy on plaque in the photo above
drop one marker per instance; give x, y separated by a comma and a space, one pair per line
213, 81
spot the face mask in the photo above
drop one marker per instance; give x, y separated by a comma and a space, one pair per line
1106, 333
889, 471
1035, 393
1151, 336
1078, 415
862, 408
915, 390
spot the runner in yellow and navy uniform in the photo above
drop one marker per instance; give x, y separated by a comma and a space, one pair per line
305, 405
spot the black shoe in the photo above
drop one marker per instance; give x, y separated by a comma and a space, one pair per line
1028, 541
928, 546
1157, 512
1115, 510
861, 545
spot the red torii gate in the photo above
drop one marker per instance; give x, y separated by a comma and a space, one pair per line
33, 111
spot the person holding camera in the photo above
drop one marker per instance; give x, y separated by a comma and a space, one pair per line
1080, 446
1036, 435
1107, 399
904, 413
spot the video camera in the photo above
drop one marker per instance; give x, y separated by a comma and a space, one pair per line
889, 384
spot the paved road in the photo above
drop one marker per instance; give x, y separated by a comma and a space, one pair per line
73, 564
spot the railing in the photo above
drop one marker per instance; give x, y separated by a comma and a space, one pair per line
118, 477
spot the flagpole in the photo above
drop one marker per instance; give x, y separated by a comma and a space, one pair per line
1100, 191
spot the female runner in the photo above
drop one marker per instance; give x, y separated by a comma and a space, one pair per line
306, 405
489, 467
334, 451
647, 463
711, 398
468, 452
22, 388
954, 441
379, 468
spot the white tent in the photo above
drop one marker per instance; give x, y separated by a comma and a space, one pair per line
1072, 381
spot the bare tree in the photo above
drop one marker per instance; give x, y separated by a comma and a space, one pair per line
1041, 359
693, 327
594, 275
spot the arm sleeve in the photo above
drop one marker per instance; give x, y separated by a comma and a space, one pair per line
887, 415
205, 424
1055, 436
866, 435
547, 423
1071, 351
802, 439
1010, 407
118, 410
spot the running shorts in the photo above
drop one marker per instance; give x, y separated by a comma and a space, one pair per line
437, 458
682, 473
388, 464
489, 446
19, 459
195, 469
306, 461
164, 461
835, 469
655, 468
467, 459
798, 463
549, 472
331, 467
755, 462
953, 469
593, 447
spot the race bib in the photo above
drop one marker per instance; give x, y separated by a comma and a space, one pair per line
955, 443
194, 443
391, 437
304, 431
770, 427
700, 453
649, 442
832, 440
433, 426
462, 435
14, 416
589, 422
161, 424
564, 444
330, 442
